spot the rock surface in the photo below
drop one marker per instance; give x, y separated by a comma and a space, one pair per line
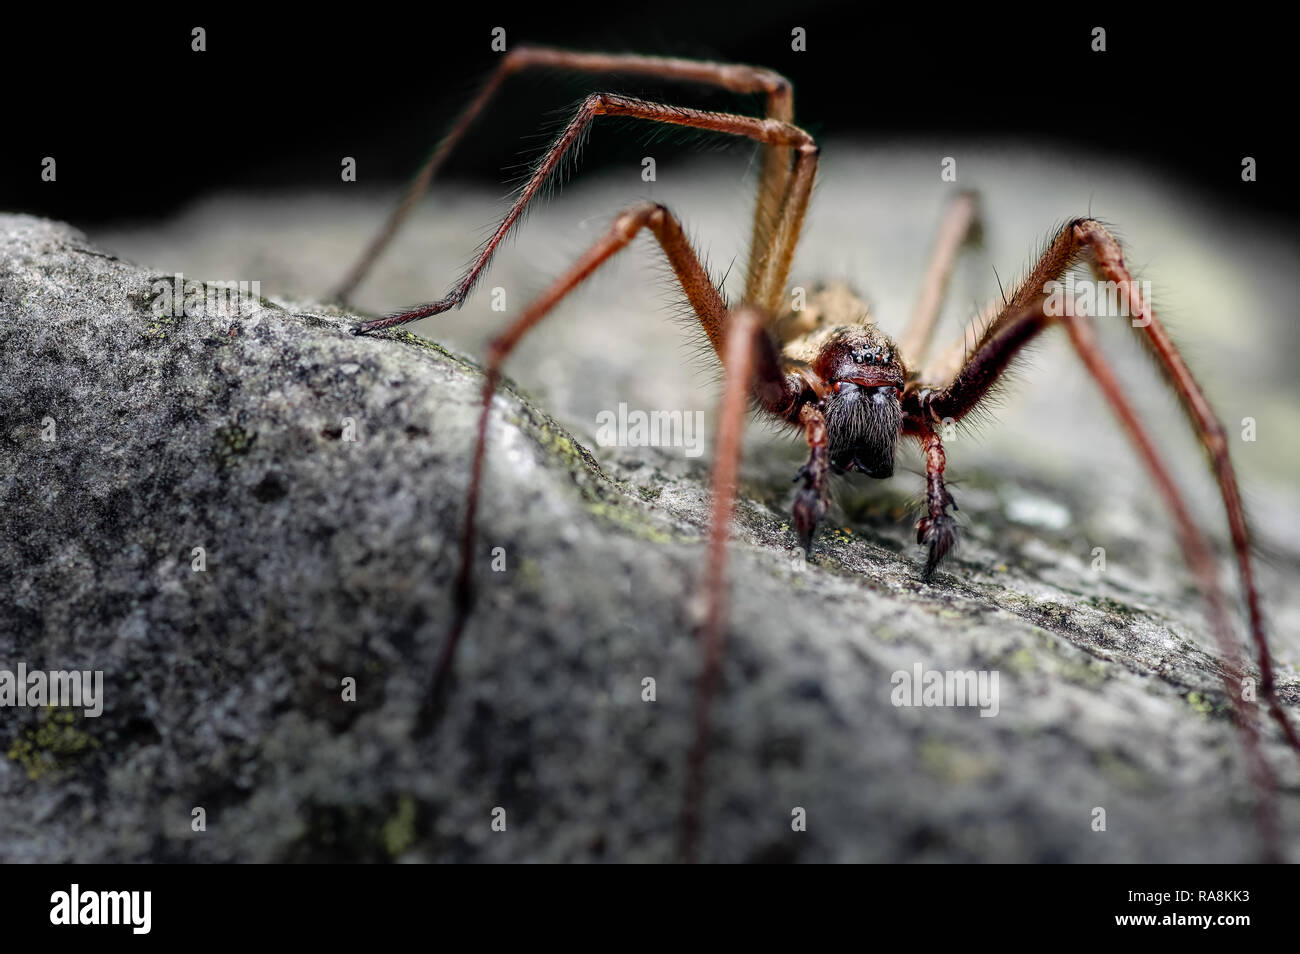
322, 474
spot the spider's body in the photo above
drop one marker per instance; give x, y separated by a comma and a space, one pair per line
823, 366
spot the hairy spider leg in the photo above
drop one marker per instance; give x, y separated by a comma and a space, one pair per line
958, 228
749, 357
734, 77
1089, 237
774, 259
705, 300
740, 364
1108, 259
1023, 317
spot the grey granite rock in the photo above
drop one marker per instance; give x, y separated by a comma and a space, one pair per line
330, 558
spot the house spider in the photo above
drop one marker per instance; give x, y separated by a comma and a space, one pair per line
828, 370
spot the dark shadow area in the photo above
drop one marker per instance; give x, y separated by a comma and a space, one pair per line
140, 124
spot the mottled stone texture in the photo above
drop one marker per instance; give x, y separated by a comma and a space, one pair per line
328, 558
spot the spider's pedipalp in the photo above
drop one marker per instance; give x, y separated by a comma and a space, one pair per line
937, 530
939, 536
811, 502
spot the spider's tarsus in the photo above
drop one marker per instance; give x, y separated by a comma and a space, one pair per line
402, 317
809, 508
940, 534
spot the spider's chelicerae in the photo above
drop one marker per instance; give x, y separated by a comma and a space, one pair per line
829, 371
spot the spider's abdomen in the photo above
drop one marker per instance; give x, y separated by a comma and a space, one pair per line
827, 309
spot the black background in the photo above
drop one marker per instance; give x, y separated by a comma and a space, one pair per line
139, 124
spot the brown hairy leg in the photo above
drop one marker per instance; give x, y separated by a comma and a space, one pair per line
1201, 559
944, 366
1088, 240
959, 227
1022, 318
744, 328
767, 131
937, 530
752, 370
810, 504
735, 77
1108, 261
707, 303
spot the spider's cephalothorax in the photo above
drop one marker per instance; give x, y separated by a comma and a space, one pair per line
863, 413
863, 377
842, 383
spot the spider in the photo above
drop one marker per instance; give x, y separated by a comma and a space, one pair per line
827, 369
